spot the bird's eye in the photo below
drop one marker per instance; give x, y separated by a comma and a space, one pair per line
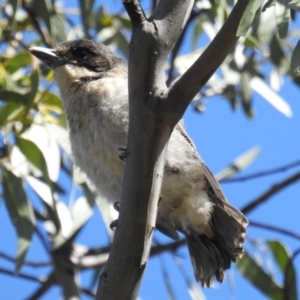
81, 52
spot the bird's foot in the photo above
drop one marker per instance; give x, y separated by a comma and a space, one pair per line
123, 153
113, 225
117, 206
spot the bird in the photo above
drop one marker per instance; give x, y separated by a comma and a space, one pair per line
93, 84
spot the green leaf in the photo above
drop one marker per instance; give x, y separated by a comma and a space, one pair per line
34, 78
20, 211
12, 97
11, 112
282, 17
283, 257
41, 9
58, 32
13, 64
295, 5
34, 155
239, 163
246, 94
248, 17
15, 4
259, 278
295, 60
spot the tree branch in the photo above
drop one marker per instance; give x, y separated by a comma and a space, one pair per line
275, 228
273, 190
153, 114
262, 173
27, 263
167, 247
22, 275
149, 131
189, 84
135, 11
36, 25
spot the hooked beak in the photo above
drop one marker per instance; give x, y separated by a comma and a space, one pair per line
48, 56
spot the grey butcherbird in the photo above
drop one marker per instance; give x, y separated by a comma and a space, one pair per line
93, 85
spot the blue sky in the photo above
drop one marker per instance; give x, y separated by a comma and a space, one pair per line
220, 135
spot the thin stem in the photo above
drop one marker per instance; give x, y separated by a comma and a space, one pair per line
270, 192
276, 229
262, 173
27, 263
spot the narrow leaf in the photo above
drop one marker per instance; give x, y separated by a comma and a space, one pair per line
248, 17
11, 112
259, 278
295, 61
34, 78
33, 154
239, 163
15, 4
58, 32
21, 213
282, 17
272, 97
295, 5
283, 257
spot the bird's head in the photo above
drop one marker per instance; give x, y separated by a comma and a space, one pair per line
78, 59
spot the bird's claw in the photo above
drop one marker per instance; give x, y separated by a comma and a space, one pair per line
123, 153
117, 206
113, 225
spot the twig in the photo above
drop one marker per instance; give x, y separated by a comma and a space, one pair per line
42, 239
27, 263
276, 229
262, 173
36, 25
44, 287
135, 11
84, 18
167, 247
22, 275
273, 190
189, 84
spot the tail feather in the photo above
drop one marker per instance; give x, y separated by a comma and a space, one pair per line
212, 256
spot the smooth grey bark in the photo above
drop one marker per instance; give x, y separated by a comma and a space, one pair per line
154, 110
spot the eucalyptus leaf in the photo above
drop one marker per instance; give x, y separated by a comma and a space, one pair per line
11, 112
21, 59
13, 97
295, 5
15, 4
248, 17
259, 278
239, 163
58, 31
295, 60
282, 17
41, 9
283, 257
34, 78
20, 211
33, 154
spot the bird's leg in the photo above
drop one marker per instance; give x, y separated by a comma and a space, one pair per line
123, 153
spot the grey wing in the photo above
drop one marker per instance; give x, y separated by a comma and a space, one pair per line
220, 198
